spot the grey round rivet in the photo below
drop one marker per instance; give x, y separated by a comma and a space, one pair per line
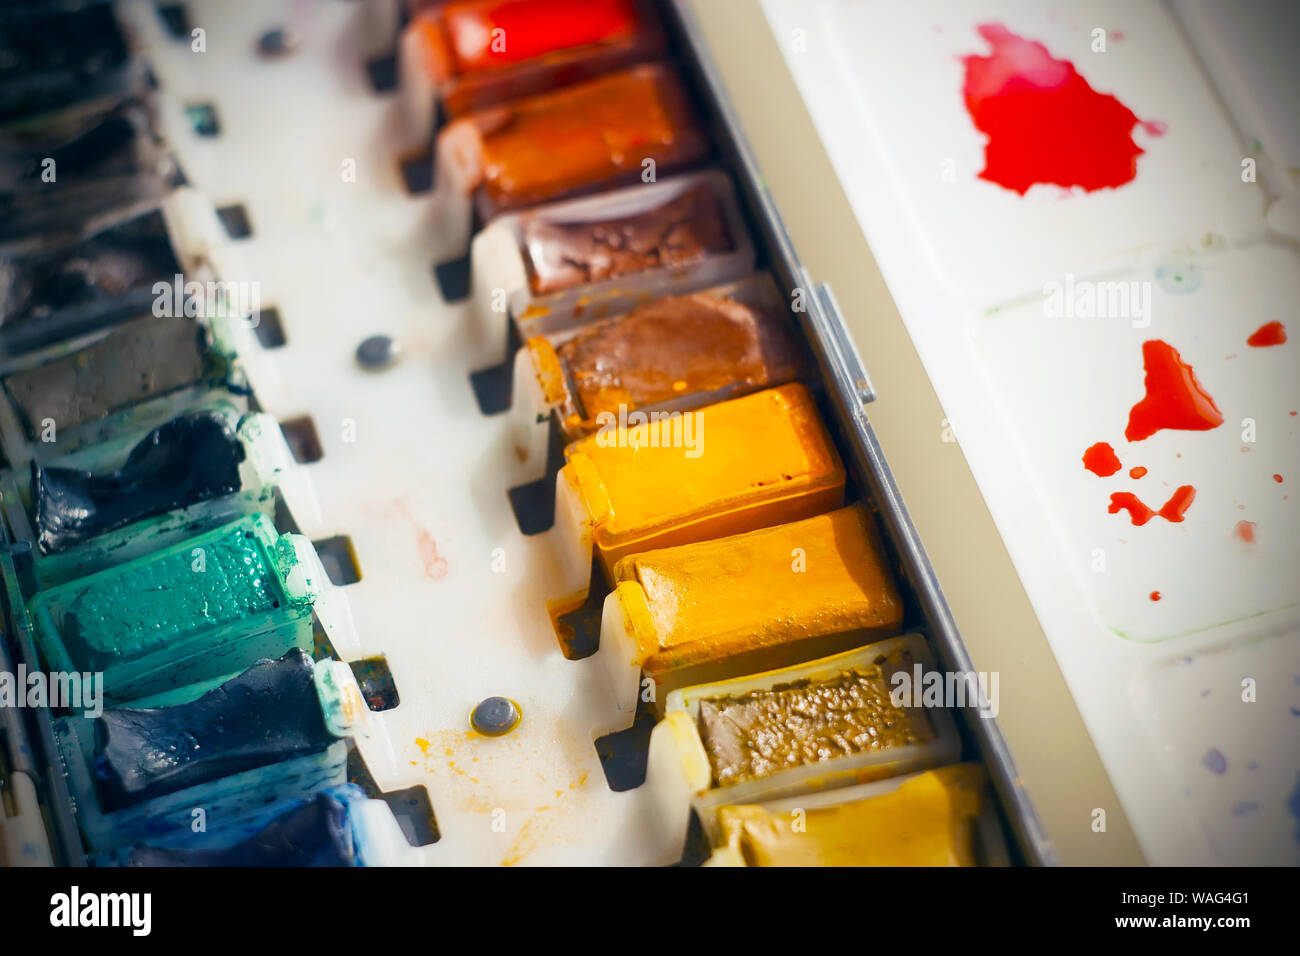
495, 716
376, 352
277, 42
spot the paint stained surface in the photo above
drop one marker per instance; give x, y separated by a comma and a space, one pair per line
1044, 121
1174, 397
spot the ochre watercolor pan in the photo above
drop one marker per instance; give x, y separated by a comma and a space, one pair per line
632, 125
674, 353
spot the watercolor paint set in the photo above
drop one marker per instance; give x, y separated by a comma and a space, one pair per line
530, 515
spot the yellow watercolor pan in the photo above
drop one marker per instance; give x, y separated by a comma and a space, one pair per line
747, 603
935, 818
683, 477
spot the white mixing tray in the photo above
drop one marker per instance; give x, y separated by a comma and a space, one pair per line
1159, 684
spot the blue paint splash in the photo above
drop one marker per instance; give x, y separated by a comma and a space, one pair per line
1293, 805
1214, 760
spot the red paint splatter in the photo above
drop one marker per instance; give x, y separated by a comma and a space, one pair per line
1178, 503
1044, 123
1139, 513
435, 566
1100, 459
1174, 398
1272, 333
1172, 510
1278, 479
1156, 595
1245, 530
1138, 472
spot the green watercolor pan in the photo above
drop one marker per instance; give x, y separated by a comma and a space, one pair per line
197, 609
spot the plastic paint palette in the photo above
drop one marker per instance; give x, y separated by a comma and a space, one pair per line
973, 265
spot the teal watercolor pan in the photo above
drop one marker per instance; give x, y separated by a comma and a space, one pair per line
266, 459
197, 609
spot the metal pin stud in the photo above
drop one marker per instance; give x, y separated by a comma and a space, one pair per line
377, 352
495, 716
277, 42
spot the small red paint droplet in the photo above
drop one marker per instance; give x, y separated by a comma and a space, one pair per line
1139, 513
1137, 472
1174, 398
1156, 595
1278, 479
1271, 333
1101, 460
1044, 122
1245, 530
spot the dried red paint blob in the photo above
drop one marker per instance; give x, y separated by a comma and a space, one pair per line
1272, 333
1278, 479
1138, 472
1101, 460
1044, 123
1245, 530
1174, 398
1178, 503
1139, 513
1156, 595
